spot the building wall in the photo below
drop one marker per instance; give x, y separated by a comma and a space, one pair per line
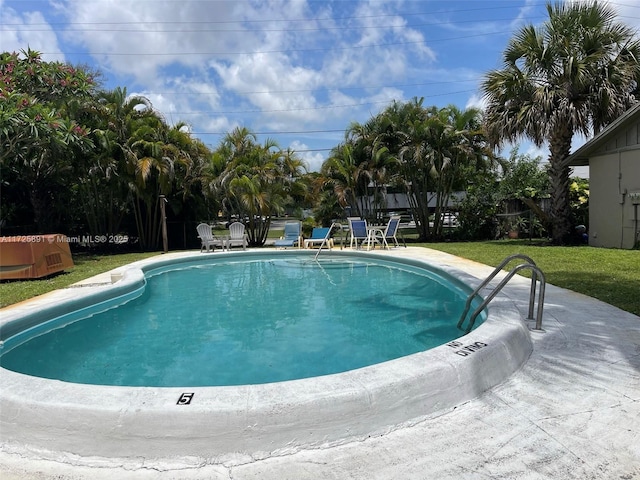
613, 217
630, 185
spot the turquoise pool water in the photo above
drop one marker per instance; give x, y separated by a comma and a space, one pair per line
233, 320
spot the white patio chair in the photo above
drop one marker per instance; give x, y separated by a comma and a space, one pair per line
208, 239
237, 236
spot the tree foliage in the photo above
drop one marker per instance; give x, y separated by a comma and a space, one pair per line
254, 181
39, 136
575, 74
427, 152
89, 159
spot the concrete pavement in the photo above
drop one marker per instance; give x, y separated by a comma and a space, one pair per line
572, 412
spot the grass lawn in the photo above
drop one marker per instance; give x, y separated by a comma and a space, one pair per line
612, 276
86, 265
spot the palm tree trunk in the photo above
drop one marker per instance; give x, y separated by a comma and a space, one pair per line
419, 203
560, 147
137, 211
537, 211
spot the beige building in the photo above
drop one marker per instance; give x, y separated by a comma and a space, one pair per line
613, 157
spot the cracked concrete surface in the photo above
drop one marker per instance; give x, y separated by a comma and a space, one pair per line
572, 412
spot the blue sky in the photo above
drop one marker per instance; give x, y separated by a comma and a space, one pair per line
296, 71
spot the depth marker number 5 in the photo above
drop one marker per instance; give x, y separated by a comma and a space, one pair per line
185, 399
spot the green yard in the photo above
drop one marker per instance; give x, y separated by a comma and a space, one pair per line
612, 276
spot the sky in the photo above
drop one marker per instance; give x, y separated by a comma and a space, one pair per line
295, 71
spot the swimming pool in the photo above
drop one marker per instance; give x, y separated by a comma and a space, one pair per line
219, 424
249, 320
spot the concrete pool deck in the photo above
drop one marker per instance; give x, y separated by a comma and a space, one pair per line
572, 411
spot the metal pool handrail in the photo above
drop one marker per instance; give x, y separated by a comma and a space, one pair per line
535, 272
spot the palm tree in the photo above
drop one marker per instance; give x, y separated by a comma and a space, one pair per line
254, 181
417, 168
404, 131
102, 178
375, 163
343, 172
575, 74
137, 158
464, 149
151, 173
188, 199
293, 170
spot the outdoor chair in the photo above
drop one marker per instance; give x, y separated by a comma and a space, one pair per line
358, 232
383, 237
237, 236
292, 235
319, 235
208, 239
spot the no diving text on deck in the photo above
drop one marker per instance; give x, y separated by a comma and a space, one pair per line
466, 350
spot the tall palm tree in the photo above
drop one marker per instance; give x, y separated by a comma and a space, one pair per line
151, 173
293, 170
402, 129
416, 158
575, 74
188, 199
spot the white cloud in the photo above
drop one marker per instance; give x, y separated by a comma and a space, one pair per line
313, 160
271, 83
220, 124
138, 38
523, 14
534, 152
476, 101
21, 31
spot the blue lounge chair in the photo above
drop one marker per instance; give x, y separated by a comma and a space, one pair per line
318, 236
292, 235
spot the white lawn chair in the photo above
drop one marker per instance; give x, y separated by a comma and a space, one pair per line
237, 236
208, 239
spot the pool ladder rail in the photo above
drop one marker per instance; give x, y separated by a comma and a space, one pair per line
535, 273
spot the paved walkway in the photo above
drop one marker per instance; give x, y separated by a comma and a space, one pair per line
572, 412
